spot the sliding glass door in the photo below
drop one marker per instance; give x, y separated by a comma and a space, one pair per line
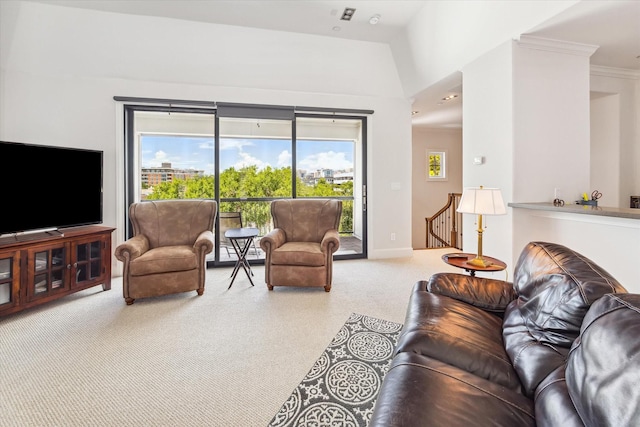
330, 163
246, 162
255, 168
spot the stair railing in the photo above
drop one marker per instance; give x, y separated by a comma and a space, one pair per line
444, 229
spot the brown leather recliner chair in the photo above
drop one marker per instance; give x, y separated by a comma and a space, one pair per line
299, 250
166, 254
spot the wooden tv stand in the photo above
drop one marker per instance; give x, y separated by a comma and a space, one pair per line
42, 267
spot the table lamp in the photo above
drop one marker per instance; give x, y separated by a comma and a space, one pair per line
481, 201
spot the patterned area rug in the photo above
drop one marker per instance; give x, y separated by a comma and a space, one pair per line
342, 386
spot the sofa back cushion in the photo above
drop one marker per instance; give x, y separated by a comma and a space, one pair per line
603, 370
555, 287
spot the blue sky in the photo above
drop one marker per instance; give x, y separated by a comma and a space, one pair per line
197, 153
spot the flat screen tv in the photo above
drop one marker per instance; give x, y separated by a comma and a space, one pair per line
48, 188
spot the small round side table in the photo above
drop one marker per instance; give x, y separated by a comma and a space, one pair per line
459, 259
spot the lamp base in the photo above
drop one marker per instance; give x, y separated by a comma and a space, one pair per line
479, 262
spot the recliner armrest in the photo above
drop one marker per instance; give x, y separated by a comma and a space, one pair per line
273, 240
205, 242
488, 294
132, 248
330, 242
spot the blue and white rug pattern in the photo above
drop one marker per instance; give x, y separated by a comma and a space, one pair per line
342, 386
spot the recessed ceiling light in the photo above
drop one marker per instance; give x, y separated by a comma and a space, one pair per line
449, 97
413, 113
374, 19
336, 28
348, 13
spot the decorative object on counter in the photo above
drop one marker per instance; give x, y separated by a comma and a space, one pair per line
557, 201
595, 195
572, 208
481, 201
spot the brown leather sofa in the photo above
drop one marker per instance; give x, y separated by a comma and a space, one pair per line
560, 346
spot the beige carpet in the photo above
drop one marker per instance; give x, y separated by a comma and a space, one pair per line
227, 358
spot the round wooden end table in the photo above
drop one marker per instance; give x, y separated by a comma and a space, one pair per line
460, 260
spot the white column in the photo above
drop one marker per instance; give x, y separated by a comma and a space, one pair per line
526, 111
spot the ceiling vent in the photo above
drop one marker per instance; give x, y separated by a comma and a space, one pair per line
348, 14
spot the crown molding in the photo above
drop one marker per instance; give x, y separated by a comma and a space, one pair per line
558, 46
618, 73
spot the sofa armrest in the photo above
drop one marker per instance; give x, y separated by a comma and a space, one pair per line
132, 248
205, 242
330, 242
273, 240
488, 294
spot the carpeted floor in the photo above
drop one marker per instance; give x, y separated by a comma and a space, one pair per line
342, 386
228, 358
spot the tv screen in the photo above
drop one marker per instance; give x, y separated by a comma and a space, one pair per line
46, 187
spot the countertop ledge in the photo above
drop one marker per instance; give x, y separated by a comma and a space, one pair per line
580, 209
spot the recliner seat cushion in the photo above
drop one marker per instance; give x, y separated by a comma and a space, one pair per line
164, 260
299, 253
458, 334
555, 287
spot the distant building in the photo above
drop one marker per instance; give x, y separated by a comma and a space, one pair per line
328, 175
165, 173
342, 177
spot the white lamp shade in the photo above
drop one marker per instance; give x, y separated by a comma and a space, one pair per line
482, 201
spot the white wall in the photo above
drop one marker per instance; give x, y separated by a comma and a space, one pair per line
526, 110
539, 118
445, 36
551, 112
621, 136
60, 68
605, 170
429, 196
612, 243
488, 132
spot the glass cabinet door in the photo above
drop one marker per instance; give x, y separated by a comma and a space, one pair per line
8, 273
49, 271
88, 261
41, 277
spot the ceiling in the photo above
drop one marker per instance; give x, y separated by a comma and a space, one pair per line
319, 17
612, 25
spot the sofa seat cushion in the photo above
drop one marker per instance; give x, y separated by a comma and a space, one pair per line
299, 253
418, 390
164, 259
459, 334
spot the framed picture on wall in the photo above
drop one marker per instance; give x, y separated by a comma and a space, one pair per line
436, 165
